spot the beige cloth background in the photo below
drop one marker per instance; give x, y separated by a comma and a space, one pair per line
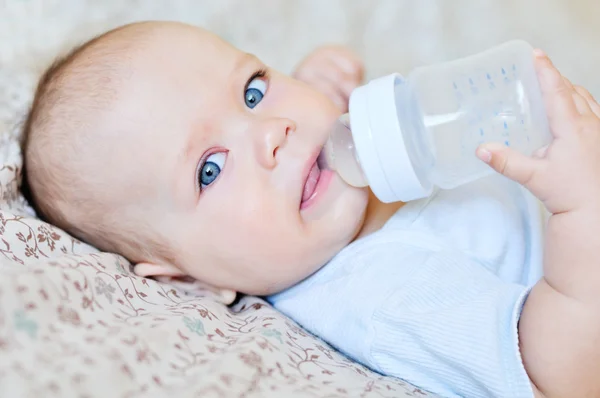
392, 35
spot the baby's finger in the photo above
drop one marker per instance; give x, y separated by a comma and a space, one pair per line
348, 61
558, 97
540, 152
568, 83
332, 91
346, 86
511, 163
583, 106
584, 93
590, 99
345, 82
581, 103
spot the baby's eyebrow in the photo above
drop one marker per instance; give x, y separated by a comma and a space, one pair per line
246, 58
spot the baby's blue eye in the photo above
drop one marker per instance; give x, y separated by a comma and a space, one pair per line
211, 169
255, 92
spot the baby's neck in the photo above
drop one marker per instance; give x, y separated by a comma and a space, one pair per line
377, 214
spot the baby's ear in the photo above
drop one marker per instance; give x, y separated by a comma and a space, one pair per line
172, 275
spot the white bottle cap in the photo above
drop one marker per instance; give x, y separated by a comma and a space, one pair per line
380, 143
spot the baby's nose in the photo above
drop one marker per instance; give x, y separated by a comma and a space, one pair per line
272, 136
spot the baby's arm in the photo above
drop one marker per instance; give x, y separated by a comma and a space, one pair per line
559, 327
333, 70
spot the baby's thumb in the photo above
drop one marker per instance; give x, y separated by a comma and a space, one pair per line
510, 163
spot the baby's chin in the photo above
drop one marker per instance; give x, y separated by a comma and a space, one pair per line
326, 236
338, 218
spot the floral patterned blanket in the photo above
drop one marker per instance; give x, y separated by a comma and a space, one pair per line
77, 322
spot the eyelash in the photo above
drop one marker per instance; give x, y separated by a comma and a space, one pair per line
201, 164
259, 74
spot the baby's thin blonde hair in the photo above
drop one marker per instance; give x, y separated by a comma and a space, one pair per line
71, 99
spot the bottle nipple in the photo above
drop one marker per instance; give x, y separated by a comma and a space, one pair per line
339, 154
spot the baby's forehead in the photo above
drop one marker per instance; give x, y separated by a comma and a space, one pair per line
182, 45
171, 87
177, 65
154, 51
184, 70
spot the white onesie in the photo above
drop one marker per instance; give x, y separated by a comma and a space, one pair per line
435, 296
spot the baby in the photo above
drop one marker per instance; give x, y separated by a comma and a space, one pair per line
163, 143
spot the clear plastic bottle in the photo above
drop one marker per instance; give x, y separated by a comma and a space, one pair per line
409, 135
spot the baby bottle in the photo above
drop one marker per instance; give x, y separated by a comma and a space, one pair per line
403, 137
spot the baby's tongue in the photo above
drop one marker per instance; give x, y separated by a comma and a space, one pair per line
311, 182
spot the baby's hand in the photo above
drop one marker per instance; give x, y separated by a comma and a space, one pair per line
560, 322
565, 176
333, 70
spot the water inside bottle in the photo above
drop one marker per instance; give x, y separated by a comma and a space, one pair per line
467, 103
339, 154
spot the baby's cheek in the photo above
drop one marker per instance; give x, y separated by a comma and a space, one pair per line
294, 97
278, 94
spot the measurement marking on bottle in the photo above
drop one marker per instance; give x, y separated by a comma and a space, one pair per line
506, 79
490, 81
474, 89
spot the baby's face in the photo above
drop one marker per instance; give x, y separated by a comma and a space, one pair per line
221, 148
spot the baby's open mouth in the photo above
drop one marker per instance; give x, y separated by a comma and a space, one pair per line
310, 184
